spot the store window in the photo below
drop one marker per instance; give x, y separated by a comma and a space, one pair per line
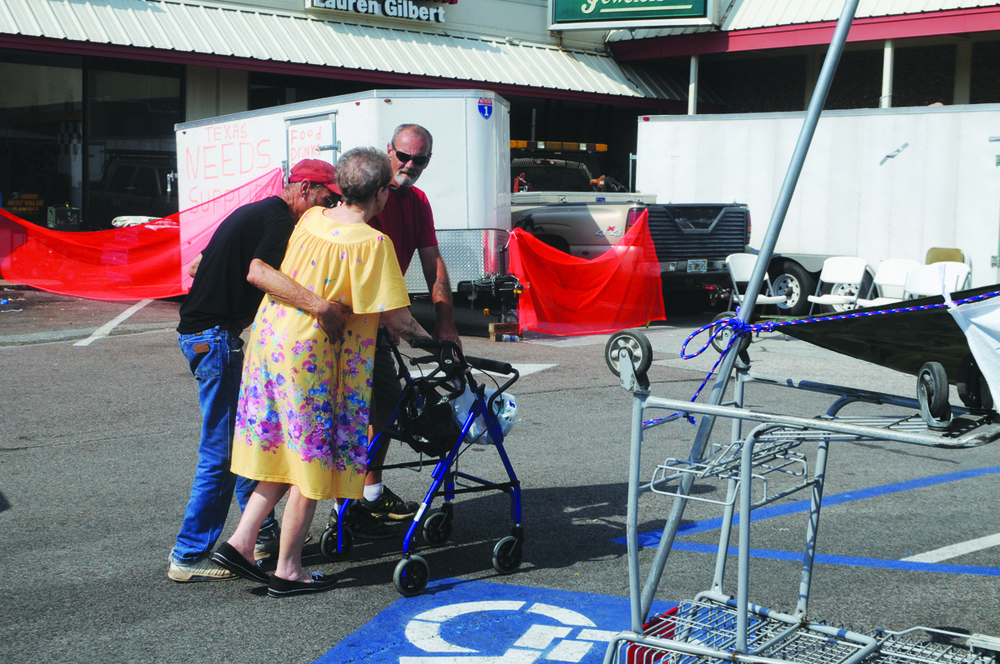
41, 140
131, 146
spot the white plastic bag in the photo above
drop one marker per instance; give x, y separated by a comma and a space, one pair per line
505, 405
981, 323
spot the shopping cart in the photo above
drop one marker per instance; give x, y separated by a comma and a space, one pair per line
759, 467
440, 415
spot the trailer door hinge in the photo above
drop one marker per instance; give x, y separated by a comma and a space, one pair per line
994, 261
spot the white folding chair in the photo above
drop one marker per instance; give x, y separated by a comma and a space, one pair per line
740, 270
889, 283
937, 278
844, 275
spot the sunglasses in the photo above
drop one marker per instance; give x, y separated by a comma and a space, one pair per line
407, 158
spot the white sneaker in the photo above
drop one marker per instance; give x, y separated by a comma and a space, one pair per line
205, 569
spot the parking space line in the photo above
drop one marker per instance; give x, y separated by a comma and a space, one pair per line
847, 561
105, 329
921, 562
955, 550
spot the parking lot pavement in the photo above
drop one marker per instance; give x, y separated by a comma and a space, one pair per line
98, 446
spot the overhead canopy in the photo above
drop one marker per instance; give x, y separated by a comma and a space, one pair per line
213, 35
760, 24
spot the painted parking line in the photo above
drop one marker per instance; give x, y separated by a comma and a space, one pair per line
105, 329
528, 369
848, 561
455, 621
914, 563
956, 550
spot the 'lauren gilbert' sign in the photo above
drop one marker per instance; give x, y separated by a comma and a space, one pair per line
405, 9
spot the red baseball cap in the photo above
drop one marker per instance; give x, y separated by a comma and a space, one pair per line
315, 170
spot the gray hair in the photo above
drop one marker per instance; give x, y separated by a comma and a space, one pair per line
361, 172
416, 129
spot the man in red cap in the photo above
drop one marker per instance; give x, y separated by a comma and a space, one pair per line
239, 264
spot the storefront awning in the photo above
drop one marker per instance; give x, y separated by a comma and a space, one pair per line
218, 35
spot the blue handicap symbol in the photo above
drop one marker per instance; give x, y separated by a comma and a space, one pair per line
476, 622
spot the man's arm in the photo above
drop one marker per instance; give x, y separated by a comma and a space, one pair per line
439, 286
193, 267
331, 316
400, 324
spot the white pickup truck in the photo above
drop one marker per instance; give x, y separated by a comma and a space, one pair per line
560, 203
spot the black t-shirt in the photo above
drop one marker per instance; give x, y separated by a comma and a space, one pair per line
221, 294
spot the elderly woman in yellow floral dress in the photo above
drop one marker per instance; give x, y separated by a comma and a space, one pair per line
302, 423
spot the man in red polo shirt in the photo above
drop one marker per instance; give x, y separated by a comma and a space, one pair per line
409, 222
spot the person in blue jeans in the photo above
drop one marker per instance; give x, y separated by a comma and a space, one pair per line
239, 264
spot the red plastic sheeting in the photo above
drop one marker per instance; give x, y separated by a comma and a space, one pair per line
138, 262
568, 295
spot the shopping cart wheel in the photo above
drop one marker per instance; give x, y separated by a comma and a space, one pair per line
932, 394
507, 555
328, 543
411, 576
638, 347
721, 340
437, 528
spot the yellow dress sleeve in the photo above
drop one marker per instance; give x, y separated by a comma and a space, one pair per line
376, 281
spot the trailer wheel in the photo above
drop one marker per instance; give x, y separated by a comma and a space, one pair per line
555, 242
932, 394
972, 387
792, 281
851, 290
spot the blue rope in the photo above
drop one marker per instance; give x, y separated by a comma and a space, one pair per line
741, 330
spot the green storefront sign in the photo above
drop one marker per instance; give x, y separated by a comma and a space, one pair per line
626, 11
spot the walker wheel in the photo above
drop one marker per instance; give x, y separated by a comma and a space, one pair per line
638, 348
932, 393
437, 528
328, 543
507, 555
411, 576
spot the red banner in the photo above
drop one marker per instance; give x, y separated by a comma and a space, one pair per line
133, 263
568, 295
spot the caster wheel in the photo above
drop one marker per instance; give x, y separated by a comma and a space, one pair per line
328, 544
638, 347
507, 555
437, 528
411, 576
972, 387
721, 340
932, 393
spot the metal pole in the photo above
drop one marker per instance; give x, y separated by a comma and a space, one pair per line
693, 86
753, 289
888, 58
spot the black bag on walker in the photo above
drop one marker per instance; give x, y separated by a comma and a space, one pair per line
426, 421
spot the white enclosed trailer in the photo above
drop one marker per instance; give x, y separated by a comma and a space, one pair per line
466, 181
876, 183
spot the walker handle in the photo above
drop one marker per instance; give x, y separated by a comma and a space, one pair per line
495, 366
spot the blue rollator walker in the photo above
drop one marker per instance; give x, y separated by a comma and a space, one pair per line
425, 419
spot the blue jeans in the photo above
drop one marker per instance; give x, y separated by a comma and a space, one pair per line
216, 359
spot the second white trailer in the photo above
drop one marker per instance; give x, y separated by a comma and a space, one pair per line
876, 183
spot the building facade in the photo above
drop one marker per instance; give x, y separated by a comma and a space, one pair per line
95, 87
